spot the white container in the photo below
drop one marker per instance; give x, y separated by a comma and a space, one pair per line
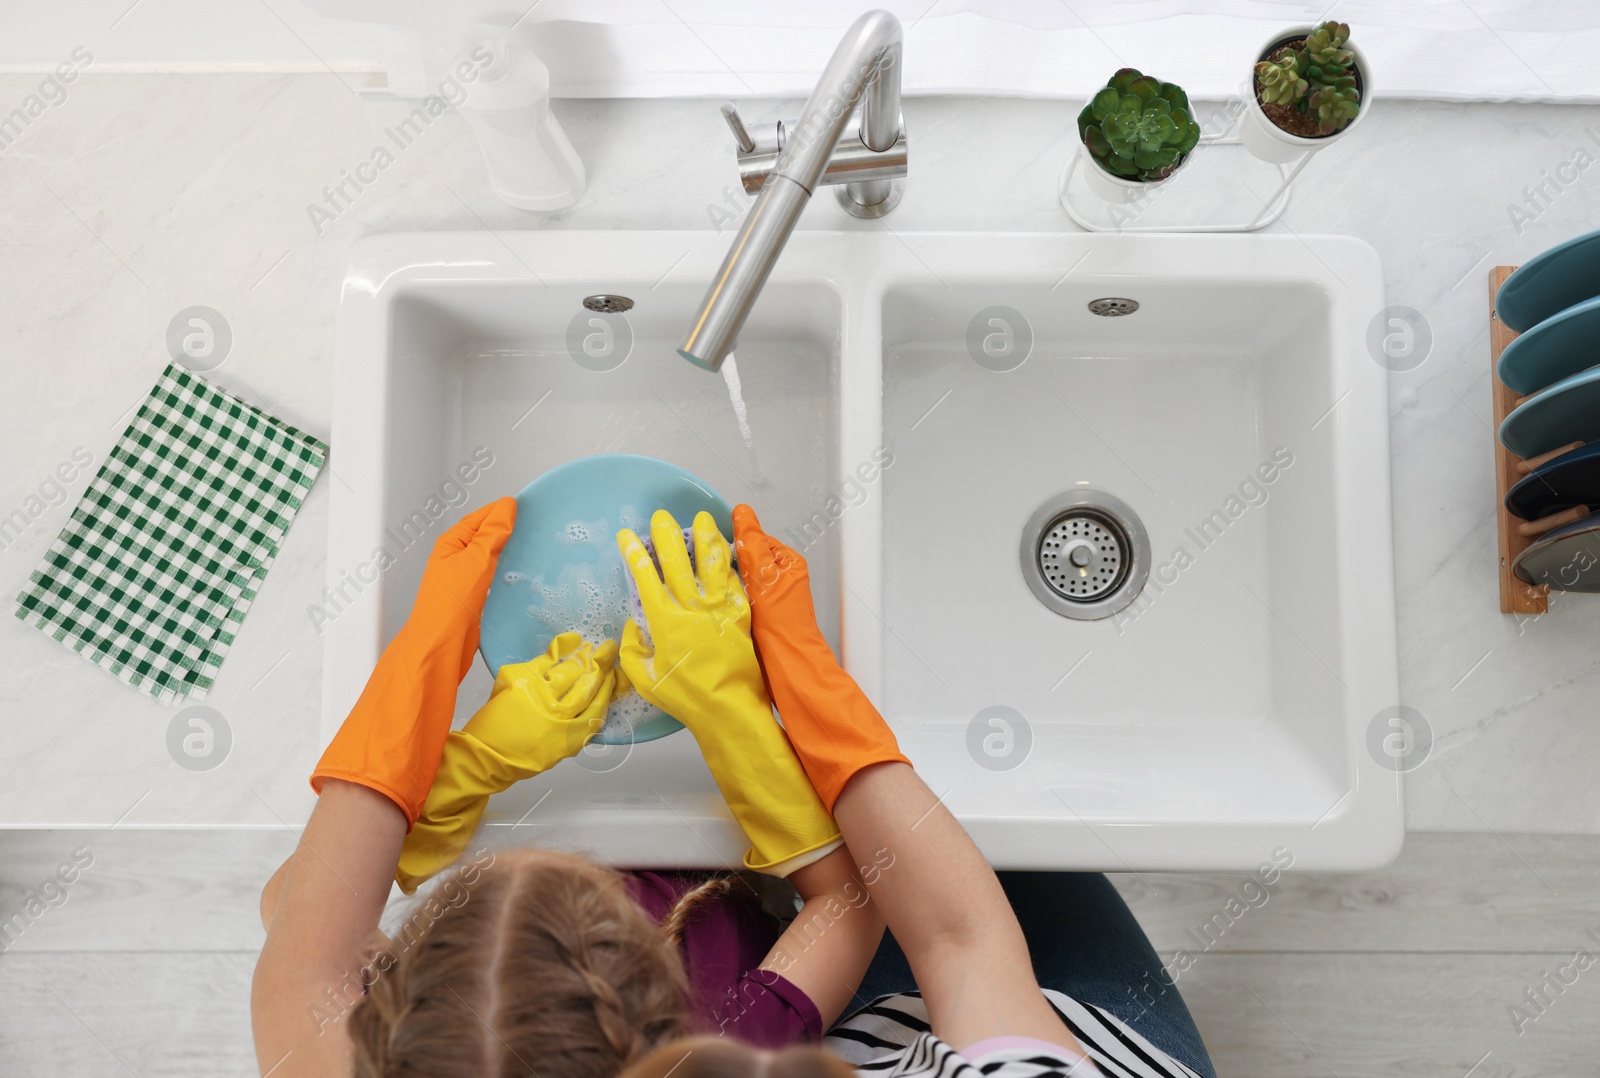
532, 165
1115, 188
1271, 143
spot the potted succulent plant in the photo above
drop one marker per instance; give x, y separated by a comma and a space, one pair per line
1309, 87
1136, 132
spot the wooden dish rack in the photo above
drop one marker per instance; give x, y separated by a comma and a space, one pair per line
1516, 596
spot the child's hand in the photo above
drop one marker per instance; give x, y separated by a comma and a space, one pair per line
546, 709
392, 739
776, 578
700, 667
699, 658
455, 582
830, 722
540, 712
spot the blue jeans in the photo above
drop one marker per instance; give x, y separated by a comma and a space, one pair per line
1085, 943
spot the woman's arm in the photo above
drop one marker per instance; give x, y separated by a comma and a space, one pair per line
947, 911
826, 949
321, 912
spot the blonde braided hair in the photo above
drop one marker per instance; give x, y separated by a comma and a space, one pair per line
724, 1057
773, 896
690, 903
548, 966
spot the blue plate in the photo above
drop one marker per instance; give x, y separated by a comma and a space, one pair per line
1567, 559
1561, 345
1567, 273
1560, 483
560, 569
1568, 411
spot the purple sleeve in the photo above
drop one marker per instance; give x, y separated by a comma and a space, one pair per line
722, 950
764, 1009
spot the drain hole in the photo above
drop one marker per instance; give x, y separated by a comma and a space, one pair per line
1085, 554
607, 304
1113, 306
1073, 542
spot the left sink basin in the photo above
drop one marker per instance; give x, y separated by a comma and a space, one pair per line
467, 366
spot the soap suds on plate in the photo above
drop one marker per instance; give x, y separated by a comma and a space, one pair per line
628, 709
593, 602
596, 600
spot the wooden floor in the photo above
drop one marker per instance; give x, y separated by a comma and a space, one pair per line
144, 968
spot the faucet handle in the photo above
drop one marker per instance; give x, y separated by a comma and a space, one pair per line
736, 125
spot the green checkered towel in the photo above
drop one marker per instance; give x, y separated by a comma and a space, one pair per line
152, 576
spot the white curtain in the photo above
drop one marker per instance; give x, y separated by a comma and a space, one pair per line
1460, 50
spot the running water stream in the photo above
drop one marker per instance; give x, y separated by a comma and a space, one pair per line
730, 374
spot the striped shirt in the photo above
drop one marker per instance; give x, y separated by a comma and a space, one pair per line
891, 1038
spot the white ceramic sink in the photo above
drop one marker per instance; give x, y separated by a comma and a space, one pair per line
1222, 715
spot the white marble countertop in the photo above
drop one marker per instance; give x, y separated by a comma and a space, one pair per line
139, 196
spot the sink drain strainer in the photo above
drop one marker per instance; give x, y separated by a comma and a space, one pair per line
1085, 554
605, 303
1113, 306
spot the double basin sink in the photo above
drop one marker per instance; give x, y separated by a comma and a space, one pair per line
917, 404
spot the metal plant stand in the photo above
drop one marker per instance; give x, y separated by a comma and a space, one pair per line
1271, 210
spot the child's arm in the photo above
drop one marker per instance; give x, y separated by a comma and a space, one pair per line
825, 951
937, 893
320, 910
947, 911
700, 666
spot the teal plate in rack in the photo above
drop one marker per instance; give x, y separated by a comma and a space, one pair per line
560, 569
1567, 273
1569, 480
1567, 559
1568, 411
1556, 347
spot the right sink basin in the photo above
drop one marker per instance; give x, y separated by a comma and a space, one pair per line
1234, 704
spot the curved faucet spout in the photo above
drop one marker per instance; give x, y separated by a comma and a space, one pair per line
864, 71
867, 62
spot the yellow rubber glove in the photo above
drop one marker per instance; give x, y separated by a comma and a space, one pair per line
699, 666
540, 712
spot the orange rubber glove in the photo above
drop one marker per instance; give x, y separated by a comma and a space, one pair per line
834, 728
393, 738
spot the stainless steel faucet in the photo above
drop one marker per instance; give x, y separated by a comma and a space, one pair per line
787, 162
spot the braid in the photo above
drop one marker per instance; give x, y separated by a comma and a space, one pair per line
774, 897
677, 918
549, 960
376, 1021
369, 1033
622, 1038
634, 1007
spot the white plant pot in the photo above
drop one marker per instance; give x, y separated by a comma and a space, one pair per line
1271, 143
1116, 188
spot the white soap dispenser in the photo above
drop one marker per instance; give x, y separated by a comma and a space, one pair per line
532, 165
